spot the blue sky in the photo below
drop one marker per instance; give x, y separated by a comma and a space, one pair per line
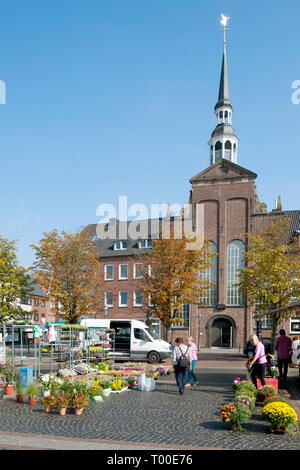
109, 98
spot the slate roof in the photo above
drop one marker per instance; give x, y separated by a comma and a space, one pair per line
294, 215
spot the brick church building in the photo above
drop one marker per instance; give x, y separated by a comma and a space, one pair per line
231, 208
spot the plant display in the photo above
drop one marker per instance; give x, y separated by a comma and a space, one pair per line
117, 384
49, 401
50, 382
245, 386
7, 370
265, 392
32, 389
65, 372
62, 400
281, 416
275, 398
245, 401
234, 416
80, 400
271, 369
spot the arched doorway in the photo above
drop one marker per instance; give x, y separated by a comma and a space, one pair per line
221, 333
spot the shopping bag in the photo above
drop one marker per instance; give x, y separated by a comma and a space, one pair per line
146, 384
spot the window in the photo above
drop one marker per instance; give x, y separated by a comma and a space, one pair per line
295, 325
235, 251
140, 334
123, 271
145, 243
120, 245
265, 322
137, 298
25, 300
108, 272
42, 303
186, 318
210, 274
36, 302
138, 270
109, 299
36, 317
123, 299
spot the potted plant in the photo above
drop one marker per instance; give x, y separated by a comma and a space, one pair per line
8, 372
49, 402
62, 401
32, 392
263, 393
20, 389
281, 416
80, 400
234, 416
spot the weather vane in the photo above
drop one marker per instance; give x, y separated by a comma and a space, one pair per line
224, 21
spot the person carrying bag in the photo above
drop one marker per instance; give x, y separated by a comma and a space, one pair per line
181, 363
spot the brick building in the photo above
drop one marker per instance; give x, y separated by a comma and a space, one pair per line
231, 208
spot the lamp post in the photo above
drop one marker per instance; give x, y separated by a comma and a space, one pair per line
199, 333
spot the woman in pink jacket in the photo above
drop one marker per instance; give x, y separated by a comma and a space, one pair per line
258, 361
193, 350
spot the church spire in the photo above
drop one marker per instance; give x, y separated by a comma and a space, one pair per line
223, 142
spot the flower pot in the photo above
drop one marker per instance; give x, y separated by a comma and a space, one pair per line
20, 398
279, 431
48, 409
269, 381
62, 411
9, 389
32, 400
78, 411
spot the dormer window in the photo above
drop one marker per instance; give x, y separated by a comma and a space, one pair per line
147, 243
121, 245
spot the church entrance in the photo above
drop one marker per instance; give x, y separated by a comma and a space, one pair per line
221, 333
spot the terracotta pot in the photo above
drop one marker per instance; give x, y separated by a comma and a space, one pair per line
20, 398
47, 409
279, 431
62, 411
32, 400
78, 411
9, 389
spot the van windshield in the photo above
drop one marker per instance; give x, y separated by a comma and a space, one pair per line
152, 332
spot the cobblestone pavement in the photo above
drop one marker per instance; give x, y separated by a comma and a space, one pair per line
154, 418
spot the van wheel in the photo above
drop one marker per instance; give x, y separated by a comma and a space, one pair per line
153, 357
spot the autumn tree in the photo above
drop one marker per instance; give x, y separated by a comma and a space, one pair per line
171, 278
271, 276
15, 282
66, 266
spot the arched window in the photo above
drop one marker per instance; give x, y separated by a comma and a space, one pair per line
218, 151
211, 274
235, 261
228, 150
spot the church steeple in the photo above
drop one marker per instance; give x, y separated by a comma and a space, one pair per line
223, 142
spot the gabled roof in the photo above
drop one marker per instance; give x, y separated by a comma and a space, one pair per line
234, 171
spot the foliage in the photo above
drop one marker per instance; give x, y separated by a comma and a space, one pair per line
117, 384
20, 389
275, 398
245, 386
280, 415
244, 400
271, 277
32, 389
173, 279
66, 265
266, 391
15, 282
80, 400
62, 400
7, 370
234, 416
50, 382
48, 401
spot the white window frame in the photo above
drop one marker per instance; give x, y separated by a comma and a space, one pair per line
119, 245
120, 297
294, 320
134, 271
120, 277
147, 242
134, 299
105, 273
105, 298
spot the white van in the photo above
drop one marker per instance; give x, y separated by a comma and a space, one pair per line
133, 339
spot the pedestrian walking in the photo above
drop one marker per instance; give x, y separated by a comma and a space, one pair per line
295, 357
283, 346
194, 356
257, 364
181, 363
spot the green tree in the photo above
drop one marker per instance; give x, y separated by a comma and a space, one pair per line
15, 282
66, 266
271, 277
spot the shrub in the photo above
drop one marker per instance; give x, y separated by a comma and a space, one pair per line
280, 415
265, 392
244, 385
234, 416
244, 400
275, 398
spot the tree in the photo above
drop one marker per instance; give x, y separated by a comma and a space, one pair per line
15, 282
271, 277
171, 278
66, 266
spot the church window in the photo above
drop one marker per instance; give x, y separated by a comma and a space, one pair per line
235, 261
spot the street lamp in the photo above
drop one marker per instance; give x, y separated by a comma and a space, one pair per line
199, 334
